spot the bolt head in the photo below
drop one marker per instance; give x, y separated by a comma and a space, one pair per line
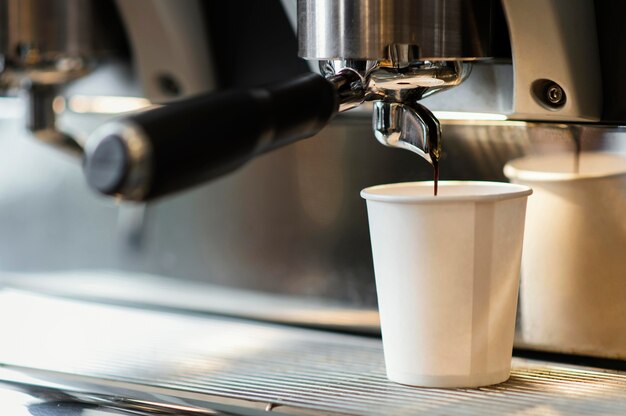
555, 94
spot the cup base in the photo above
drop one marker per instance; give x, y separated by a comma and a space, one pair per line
463, 381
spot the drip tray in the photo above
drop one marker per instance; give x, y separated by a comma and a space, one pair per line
125, 356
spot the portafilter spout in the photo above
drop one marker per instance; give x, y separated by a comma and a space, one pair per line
399, 120
411, 127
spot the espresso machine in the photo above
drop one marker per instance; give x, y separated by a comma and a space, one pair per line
394, 66
207, 199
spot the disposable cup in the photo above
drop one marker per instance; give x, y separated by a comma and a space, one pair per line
573, 289
447, 277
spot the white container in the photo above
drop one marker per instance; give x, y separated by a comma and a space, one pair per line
573, 290
447, 276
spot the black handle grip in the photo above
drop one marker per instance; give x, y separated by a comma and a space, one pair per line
167, 149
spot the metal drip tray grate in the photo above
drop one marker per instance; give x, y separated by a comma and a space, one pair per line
194, 360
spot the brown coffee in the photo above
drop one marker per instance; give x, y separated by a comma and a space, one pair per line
436, 174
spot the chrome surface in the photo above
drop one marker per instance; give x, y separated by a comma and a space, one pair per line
207, 362
41, 118
370, 29
24, 392
45, 44
351, 88
388, 48
51, 41
399, 48
358, 81
398, 119
21, 399
151, 291
415, 80
290, 223
412, 128
138, 150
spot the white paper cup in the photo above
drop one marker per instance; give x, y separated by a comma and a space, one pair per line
573, 291
447, 275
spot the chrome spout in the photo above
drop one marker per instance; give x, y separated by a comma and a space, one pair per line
41, 118
411, 127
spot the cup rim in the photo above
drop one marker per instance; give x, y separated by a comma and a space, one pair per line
513, 171
512, 190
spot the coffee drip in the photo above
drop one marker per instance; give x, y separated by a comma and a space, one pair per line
436, 176
409, 126
577, 143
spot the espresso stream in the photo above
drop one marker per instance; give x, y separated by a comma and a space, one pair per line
436, 175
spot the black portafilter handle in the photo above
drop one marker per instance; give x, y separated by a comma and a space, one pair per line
167, 149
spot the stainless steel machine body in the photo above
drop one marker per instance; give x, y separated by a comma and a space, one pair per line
47, 44
554, 80
368, 29
291, 222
